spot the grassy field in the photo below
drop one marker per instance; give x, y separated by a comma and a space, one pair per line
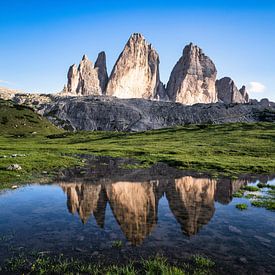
228, 149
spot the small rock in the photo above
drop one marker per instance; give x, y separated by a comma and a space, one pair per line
14, 187
243, 260
14, 167
44, 172
234, 229
3, 157
79, 249
262, 239
272, 234
17, 155
96, 253
34, 133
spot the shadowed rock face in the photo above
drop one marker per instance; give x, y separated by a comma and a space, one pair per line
193, 78
110, 113
87, 79
136, 72
229, 93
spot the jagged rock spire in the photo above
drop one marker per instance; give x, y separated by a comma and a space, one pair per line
136, 72
192, 80
87, 79
228, 92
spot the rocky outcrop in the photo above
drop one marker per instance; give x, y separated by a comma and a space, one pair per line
228, 92
193, 78
136, 72
87, 79
113, 114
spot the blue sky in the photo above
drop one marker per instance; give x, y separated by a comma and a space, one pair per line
39, 40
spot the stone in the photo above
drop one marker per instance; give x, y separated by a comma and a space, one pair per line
272, 234
14, 187
243, 260
262, 239
14, 167
136, 72
87, 79
228, 92
234, 229
192, 80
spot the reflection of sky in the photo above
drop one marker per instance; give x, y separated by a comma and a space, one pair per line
40, 39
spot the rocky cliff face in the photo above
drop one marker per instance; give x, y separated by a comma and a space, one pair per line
113, 114
136, 72
87, 79
229, 93
193, 78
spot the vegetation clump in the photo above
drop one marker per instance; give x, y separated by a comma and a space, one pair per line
241, 206
262, 185
117, 244
251, 188
60, 265
238, 194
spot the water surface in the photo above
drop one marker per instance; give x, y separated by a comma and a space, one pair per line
175, 217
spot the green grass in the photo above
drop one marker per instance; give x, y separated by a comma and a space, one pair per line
19, 120
267, 203
251, 188
238, 194
117, 244
241, 206
60, 265
228, 149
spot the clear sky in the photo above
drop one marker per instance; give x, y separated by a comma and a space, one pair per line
39, 40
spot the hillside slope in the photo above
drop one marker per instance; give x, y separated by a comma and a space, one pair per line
21, 120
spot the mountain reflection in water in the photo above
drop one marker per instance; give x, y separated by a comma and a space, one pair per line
135, 204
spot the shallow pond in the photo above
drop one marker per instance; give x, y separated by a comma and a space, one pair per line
174, 216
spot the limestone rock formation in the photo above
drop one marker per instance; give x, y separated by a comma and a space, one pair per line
228, 92
244, 93
87, 79
136, 72
192, 80
114, 114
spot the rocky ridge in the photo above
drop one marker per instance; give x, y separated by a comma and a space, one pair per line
114, 114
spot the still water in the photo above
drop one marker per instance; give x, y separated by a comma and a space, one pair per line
175, 216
